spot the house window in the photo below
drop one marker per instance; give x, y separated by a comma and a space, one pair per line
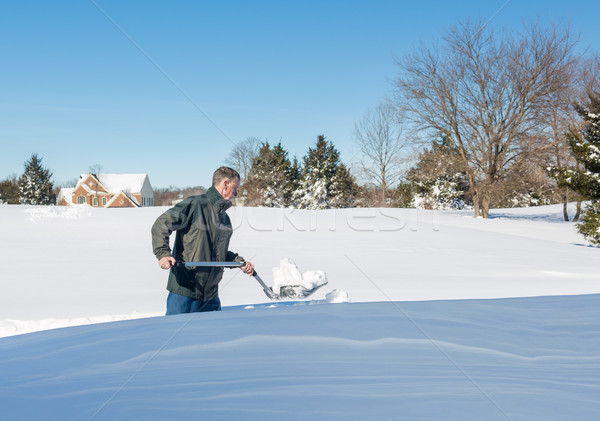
95, 201
80, 200
104, 201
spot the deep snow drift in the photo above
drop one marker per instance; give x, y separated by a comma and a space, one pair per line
520, 359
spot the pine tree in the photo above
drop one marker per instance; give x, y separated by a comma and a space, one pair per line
438, 181
294, 176
343, 189
269, 177
585, 145
325, 182
35, 186
9, 191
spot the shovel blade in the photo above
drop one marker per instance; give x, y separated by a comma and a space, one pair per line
286, 292
296, 291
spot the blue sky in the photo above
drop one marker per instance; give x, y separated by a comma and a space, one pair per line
167, 88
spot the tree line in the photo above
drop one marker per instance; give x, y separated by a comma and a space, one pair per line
320, 181
484, 118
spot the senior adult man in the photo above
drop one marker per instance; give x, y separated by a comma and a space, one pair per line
202, 233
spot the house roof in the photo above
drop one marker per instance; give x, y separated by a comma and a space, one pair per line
114, 183
126, 195
65, 192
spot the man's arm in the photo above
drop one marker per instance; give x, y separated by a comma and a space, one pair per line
174, 219
234, 257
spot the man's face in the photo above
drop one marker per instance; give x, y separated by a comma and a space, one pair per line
230, 188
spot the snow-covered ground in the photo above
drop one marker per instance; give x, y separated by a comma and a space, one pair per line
73, 265
419, 339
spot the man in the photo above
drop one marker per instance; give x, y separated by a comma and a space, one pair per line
203, 231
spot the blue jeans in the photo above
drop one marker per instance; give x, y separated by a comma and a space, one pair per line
178, 304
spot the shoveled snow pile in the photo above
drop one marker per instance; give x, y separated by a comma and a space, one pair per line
337, 296
288, 274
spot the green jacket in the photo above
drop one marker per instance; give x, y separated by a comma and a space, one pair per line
203, 231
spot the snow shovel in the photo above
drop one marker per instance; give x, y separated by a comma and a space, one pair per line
285, 292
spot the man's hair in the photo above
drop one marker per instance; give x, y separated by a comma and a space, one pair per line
224, 173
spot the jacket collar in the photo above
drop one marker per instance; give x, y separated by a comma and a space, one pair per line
215, 198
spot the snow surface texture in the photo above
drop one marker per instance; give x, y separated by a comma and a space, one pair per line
386, 356
77, 264
519, 359
40, 213
288, 274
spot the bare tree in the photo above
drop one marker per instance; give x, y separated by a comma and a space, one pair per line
168, 196
563, 118
488, 92
243, 153
95, 169
380, 141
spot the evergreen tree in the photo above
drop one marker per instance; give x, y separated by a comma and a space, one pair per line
585, 180
439, 181
35, 186
294, 176
343, 189
9, 191
325, 182
268, 181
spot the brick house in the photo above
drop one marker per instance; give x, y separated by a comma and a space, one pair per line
109, 191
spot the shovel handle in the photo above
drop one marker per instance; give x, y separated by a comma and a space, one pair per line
212, 264
268, 291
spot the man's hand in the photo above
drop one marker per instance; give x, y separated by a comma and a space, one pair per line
248, 268
167, 262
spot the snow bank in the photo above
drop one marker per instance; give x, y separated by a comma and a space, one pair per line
534, 359
9, 327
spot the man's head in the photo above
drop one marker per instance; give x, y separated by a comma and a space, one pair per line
226, 180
